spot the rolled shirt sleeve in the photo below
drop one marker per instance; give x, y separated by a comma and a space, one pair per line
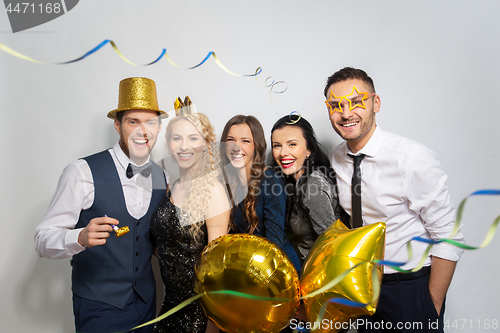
55, 236
429, 197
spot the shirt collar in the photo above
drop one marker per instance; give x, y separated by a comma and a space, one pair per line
373, 145
122, 158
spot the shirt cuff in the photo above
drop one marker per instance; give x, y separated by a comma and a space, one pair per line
71, 242
446, 251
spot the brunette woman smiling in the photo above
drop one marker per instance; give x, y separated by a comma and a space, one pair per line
312, 203
256, 193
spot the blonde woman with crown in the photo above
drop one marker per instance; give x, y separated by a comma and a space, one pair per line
194, 212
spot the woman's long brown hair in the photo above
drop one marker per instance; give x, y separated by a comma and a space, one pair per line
257, 169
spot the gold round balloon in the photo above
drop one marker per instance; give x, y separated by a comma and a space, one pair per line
252, 265
337, 250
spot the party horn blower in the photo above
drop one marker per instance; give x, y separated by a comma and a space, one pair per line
119, 231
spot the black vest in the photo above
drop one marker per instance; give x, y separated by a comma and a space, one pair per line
109, 273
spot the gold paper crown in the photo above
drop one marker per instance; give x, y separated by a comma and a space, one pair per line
137, 93
183, 109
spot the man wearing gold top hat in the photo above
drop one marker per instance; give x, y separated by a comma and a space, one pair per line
112, 280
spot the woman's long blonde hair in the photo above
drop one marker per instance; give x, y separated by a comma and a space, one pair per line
202, 178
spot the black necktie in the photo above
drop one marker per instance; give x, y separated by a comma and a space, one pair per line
144, 170
357, 219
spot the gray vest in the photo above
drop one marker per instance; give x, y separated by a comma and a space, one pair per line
109, 273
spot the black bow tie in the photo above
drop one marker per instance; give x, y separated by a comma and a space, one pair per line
144, 170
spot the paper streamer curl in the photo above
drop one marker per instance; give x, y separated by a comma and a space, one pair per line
271, 84
292, 122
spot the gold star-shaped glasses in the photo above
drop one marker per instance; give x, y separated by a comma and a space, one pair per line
355, 100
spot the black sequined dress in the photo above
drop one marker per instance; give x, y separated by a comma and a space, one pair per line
177, 254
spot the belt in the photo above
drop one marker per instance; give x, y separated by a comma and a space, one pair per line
407, 276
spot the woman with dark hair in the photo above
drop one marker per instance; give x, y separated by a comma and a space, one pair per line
256, 193
312, 204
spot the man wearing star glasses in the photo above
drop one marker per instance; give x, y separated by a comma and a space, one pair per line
383, 177
353, 114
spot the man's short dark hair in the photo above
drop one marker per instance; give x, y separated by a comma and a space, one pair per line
349, 73
119, 115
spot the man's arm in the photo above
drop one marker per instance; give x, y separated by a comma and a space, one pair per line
432, 200
441, 274
430, 197
56, 236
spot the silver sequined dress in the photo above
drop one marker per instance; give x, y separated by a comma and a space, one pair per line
177, 254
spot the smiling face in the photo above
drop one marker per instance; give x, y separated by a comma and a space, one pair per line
138, 131
290, 150
240, 147
186, 144
355, 125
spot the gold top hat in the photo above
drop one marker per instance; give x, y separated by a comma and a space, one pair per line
137, 93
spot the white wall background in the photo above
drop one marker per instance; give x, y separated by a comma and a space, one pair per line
434, 63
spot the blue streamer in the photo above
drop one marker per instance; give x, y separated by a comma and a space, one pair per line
106, 41
486, 192
347, 302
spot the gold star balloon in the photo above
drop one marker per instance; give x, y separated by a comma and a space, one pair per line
252, 265
341, 250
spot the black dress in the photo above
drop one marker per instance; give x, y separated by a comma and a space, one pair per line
177, 255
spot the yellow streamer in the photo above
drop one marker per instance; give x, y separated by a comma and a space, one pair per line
120, 54
10, 51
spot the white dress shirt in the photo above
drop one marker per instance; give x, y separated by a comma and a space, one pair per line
403, 185
56, 236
